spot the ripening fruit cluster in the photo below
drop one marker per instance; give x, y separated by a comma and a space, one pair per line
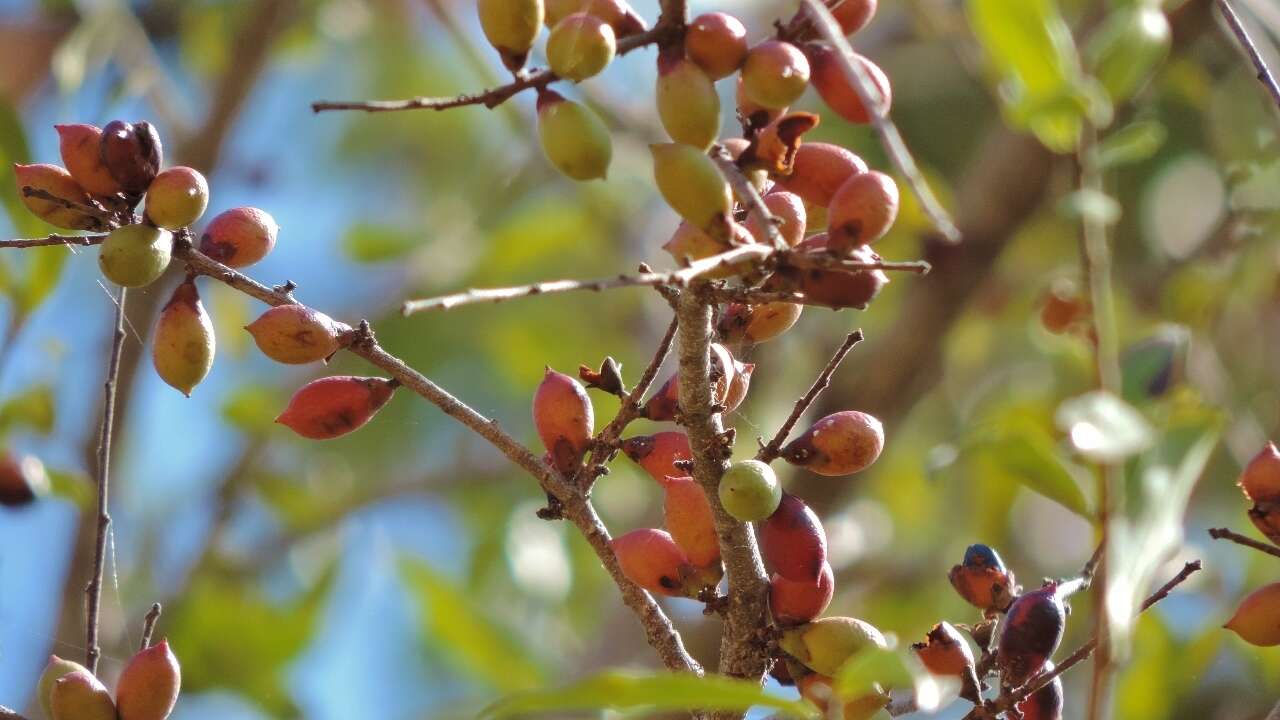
147, 689
1257, 619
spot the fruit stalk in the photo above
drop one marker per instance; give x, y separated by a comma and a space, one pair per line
770, 452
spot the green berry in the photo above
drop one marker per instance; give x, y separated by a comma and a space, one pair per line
749, 491
135, 255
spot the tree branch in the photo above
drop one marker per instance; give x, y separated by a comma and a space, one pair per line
1264, 74
885, 128
1237, 538
82, 240
93, 591
747, 193
7, 714
770, 451
149, 625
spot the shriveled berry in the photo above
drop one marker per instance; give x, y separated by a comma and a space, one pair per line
1045, 703
741, 323
135, 255
861, 212
620, 16
689, 520
22, 479
511, 26
1260, 479
580, 46
334, 406
852, 15
573, 137
819, 170
132, 153
659, 452
59, 183
833, 288
687, 101
739, 386
841, 443
819, 690
778, 142
239, 237
945, 652
565, 419
688, 243
81, 149
717, 42
982, 579
749, 490
1257, 620
55, 669
792, 540
651, 559
79, 695
296, 334
775, 74
148, 687
183, 348
1062, 306
692, 185
1032, 632
665, 403
788, 210
837, 91
825, 645
794, 602
177, 197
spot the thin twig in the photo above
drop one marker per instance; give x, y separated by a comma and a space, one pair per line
149, 625
1237, 538
83, 240
492, 97
885, 128
94, 589
103, 216
1264, 74
747, 193
770, 451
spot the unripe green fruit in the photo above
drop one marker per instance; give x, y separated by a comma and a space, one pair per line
617, 13
511, 26
149, 686
1260, 479
580, 46
689, 519
59, 183
177, 197
565, 419
788, 209
183, 347
78, 695
687, 102
749, 491
81, 150
862, 211
775, 74
239, 237
334, 406
795, 602
296, 334
658, 453
825, 645
818, 171
573, 138
135, 255
1129, 45
835, 88
692, 185
132, 153
1257, 620
651, 559
56, 669
841, 443
751, 113
717, 42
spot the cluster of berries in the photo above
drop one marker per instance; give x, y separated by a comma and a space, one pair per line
147, 689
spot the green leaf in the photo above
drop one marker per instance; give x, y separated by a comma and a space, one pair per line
71, 486
252, 408
1028, 457
1104, 428
44, 268
453, 620
32, 409
658, 691
1131, 144
370, 243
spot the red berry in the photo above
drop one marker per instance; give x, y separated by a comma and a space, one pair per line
1045, 703
717, 42
834, 87
658, 453
1032, 632
799, 601
132, 153
841, 443
862, 211
788, 209
690, 521
334, 406
793, 542
239, 237
651, 559
819, 170
22, 480
565, 419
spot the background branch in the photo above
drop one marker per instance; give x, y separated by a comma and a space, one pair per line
1237, 538
1264, 74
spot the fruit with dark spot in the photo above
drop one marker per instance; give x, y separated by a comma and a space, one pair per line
757, 323
239, 237
511, 26
59, 183
775, 74
832, 288
836, 90
334, 406
841, 443
183, 348
573, 138
565, 419
1032, 632
800, 601
945, 652
659, 452
861, 212
819, 170
749, 490
651, 559
149, 685
177, 197
793, 542
81, 149
580, 46
135, 255
296, 334
751, 112
132, 153
982, 580
717, 42
665, 403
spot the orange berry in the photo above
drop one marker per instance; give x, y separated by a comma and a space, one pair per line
861, 212
835, 88
690, 521
1257, 620
659, 452
651, 559
565, 419
148, 687
59, 183
841, 443
1260, 479
819, 170
81, 150
788, 209
296, 334
239, 237
757, 323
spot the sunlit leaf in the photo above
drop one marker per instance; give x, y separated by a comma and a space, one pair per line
1104, 428
878, 670
1029, 458
1130, 144
252, 408
71, 486
657, 691
32, 409
474, 641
